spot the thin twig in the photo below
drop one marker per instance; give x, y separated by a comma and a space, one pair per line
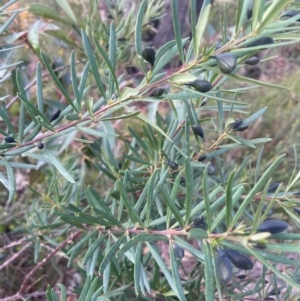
45, 260
15, 256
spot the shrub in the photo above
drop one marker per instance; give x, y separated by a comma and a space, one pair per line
127, 195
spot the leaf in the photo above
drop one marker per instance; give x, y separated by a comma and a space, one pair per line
206, 198
183, 78
176, 26
128, 92
97, 133
197, 233
110, 254
272, 12
171, 205
208, 272
189, 189
8, 22
127, 202
63, 292
39, 88
110, 61
147, 237
264, 178
92, 249
49, 13
229, 199
175, 273
11, 180
201, 25
53, 159
67, 9
162, 266
60, 86
85, 288
137, 268
33, 36
93, 64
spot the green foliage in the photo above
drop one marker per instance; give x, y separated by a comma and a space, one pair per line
128, 195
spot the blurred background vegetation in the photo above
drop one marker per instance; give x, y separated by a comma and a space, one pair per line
58, 39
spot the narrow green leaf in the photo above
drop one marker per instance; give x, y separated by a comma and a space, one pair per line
278, 273
272, 12
59, 166
241, 141
4, 116
162, 266
147, 237
110, 254
206, 198
137, 268
85, 288
176, 27
265, 177
92, 249
111, 64
93, 64
138, 32
151, 192
175, 273
189, 189
126, 247
56, 80
112, 57
258, 9
96, 133
11, 180
139, 27
171, 205
197, 233
74, 80
82, 241
229, 199
92, 288
129, 206
39, 88
208, 272
201, 25
185, 245
67, 9
63, 292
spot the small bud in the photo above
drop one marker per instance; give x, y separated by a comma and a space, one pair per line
273, 187
224, 267
200, 85
197, 129
239, 260
9, 139
238, 122
178, 251
297, 210
148, 55
173, 165
203, 102
226, 62
241, 128
55, 115
211, 170
40, 145
261, 41
273, 226
202, 158
261, 245
254, 60
199, 222
158, 92
249, 12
